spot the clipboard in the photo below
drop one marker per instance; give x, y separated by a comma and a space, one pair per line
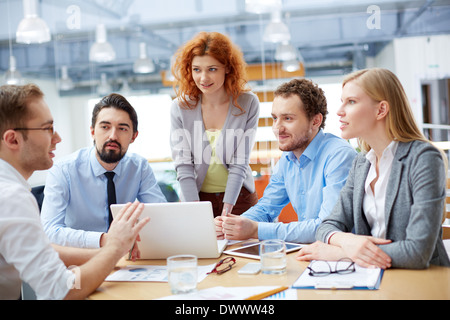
361, 279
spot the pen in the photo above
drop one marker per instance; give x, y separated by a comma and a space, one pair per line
132, 248
134, 244
226, 213
266, 294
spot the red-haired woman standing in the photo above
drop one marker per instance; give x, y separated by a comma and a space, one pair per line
213, 124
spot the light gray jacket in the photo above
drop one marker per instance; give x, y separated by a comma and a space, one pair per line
415, 201
191, 150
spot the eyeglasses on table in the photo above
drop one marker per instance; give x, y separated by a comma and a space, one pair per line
223, 265
320, 268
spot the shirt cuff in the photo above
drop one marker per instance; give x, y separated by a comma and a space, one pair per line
93, 240
266, 231
327, 238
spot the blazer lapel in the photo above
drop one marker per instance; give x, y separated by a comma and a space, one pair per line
394, 180
361, 171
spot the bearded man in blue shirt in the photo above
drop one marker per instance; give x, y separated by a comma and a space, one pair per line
310, 173
75, 210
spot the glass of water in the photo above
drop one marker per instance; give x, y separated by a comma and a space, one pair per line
273, 256
182, 273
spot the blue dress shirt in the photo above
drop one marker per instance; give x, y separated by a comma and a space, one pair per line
311, 183
75, 208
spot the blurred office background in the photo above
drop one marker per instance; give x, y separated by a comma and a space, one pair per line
80, 50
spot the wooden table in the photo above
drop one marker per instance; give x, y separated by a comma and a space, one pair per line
432, 283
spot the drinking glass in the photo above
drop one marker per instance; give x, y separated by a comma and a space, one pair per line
273, 257
182, 273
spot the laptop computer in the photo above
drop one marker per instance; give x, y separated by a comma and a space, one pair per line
178, 228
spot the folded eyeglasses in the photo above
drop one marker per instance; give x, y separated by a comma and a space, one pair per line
223, 265
321, 268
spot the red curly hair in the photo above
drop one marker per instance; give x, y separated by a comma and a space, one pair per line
222, 49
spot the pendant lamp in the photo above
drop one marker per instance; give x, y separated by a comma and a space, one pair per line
12, 76
32, 29
65, 83
276, 30
101, 51
143, 64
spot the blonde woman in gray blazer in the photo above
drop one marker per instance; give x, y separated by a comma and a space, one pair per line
213, 124
390, 211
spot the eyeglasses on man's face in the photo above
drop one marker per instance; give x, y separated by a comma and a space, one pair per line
321, 268
50, 129
223, 265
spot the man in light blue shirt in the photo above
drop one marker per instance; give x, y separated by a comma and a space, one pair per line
310, 173
75, 210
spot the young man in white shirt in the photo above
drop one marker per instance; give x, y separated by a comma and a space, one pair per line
27, 142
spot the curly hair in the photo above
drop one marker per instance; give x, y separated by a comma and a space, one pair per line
312, 97
219, 47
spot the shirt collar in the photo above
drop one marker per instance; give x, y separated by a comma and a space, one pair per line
388, 152
313, 147
13, 174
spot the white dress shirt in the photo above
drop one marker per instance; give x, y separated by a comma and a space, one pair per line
25, 251
374, 201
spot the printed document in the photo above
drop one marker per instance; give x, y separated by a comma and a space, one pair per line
362, 278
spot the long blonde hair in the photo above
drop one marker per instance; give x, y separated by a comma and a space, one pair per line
383, 85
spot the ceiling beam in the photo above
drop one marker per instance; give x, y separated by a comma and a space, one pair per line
404, 28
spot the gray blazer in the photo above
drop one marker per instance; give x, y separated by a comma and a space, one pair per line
415, 202
191, 151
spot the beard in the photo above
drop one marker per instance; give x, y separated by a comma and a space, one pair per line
110, 156
298, 143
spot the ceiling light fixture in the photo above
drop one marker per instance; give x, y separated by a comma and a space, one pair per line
32, 29
276, 30
104, 87
125, 90
262, 6
291, 65
294, 64
143, 64
101, 51
285, 51
65, 83
12, 76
